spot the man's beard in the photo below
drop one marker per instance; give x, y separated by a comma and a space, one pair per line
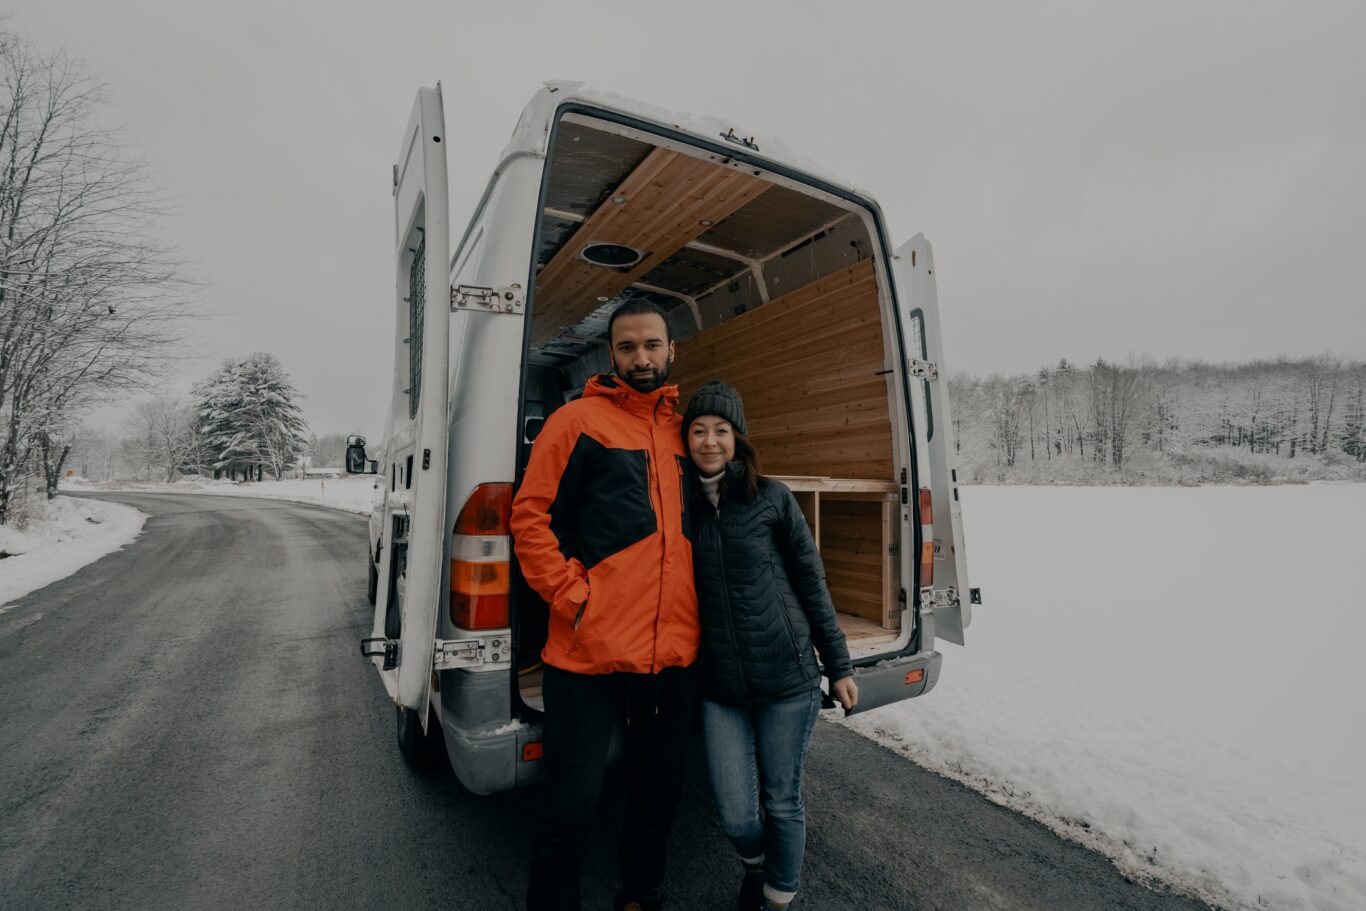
646, 380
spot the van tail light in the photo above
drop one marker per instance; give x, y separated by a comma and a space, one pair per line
481, 552
926, 503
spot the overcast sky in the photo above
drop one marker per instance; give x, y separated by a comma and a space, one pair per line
1098, 179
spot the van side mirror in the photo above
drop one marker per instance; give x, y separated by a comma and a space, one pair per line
356, 460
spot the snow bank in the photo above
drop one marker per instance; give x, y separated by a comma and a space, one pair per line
69, 534
350, 494
1165, 675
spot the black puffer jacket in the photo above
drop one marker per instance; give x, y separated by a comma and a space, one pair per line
761, 597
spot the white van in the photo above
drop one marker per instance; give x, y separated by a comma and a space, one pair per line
776, 279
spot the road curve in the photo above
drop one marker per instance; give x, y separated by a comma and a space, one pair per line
186, 724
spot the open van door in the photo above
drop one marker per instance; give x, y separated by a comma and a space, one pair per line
948, 599
414, 520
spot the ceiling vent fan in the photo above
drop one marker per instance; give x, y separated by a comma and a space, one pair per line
613, 256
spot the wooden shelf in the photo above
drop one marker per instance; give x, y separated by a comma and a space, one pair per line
874, 548
819, 484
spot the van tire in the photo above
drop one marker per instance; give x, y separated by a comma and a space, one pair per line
419, 749
372, 588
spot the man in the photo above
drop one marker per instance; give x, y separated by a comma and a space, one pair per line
598, 526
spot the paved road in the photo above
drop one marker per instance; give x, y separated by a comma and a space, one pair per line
187, 724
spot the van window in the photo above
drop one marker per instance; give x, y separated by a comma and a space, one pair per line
917, 344
417, 302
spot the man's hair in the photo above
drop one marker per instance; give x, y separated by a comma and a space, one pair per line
639, 306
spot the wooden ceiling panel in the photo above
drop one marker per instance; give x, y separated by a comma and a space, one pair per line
667, 196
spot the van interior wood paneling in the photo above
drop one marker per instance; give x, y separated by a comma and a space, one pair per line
668, 200
809, 365
851, 549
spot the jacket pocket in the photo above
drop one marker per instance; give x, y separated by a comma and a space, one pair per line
576, 628
791, 629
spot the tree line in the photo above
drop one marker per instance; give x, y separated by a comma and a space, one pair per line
1179, 421
91, 302
242, 422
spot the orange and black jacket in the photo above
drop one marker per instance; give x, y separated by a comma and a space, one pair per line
598, 528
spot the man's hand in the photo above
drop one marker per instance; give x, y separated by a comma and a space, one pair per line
845, 691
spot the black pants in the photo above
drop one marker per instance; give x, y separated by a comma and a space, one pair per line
581, 712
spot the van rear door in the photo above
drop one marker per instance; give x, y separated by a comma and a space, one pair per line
411, 571
948, 599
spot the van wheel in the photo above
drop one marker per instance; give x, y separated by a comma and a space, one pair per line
419, 750
372, 588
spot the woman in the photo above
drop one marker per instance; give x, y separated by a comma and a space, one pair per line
763, 604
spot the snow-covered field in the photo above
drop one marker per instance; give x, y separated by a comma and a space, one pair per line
1166, 675
67, 535
351, 494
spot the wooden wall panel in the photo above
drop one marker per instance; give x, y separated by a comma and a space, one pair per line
851, 549
807, 365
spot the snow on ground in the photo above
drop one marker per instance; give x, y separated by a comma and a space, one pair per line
351, 494
69, 534
1165, 675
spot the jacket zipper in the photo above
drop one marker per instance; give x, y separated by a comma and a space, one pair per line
725, 595
791, 630
664, 555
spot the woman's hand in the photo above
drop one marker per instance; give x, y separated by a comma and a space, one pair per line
845, 691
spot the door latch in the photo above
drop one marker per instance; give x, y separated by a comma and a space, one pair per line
381, 648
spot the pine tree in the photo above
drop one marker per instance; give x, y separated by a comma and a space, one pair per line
249, 419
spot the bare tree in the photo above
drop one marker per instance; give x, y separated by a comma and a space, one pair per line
90, 304
1004, 404
162, 436
1115, 400
54, 442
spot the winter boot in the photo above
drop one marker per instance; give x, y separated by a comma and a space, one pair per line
751, 888
622, 903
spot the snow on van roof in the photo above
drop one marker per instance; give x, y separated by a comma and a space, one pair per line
533, 127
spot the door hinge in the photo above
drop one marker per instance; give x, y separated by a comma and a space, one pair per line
381, 648
925, 370
933, 598
453, 653
488, 300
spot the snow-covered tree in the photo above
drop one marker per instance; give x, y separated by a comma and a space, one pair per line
162, 437
1179, 421
249, 419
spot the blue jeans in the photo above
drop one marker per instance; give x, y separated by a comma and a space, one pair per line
754, 757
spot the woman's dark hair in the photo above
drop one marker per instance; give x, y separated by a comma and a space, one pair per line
747, 456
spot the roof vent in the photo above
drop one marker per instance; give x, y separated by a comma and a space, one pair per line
614, 256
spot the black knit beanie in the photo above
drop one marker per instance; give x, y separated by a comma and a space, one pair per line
719, 399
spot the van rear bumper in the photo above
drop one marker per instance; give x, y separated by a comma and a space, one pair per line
895, 679
491, 760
